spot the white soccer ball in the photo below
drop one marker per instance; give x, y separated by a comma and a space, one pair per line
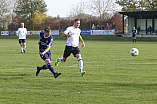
134, 52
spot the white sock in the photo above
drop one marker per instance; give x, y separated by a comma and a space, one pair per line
80, 62
21, 49
24, 47
60, 59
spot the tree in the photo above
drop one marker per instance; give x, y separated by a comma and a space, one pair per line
26, 8
38, 17
118, 21
4, 12
102, 7
78, 10
137, 5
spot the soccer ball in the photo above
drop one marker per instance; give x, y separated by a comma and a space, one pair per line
134, 52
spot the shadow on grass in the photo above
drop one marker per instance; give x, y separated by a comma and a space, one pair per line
14, 75
10, 77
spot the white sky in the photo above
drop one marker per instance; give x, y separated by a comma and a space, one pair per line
60, 7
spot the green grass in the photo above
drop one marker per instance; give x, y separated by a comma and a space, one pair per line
113, 76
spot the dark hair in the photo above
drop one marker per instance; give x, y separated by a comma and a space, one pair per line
47, 29
77, 20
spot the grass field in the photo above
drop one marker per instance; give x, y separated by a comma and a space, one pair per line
113, 75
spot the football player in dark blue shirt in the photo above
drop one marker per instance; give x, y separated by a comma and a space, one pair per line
134, 31
46, 40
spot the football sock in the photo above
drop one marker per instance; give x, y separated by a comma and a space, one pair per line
51, 68
80, 62
60, 59
21, 49
24, 47
135, 40
43, 67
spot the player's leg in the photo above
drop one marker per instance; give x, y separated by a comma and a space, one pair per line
24, 45
21, 47
77, 54
135, 39
62, 59
66, 54
49, 65
47, 59
42, 67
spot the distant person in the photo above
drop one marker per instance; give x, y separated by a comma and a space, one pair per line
72, 45
98, 27
107, 27
22, 32
138, 29
114, 26
93, 27
150, 29
103, 27
46, 40
134, 31
111, 26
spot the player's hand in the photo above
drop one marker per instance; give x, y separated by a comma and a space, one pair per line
42, 54
83, 45
69, 35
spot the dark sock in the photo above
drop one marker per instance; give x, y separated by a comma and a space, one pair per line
43, 67
51, 68
135, 40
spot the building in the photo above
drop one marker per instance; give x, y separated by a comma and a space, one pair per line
144, 19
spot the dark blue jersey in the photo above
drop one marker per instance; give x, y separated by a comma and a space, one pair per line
134, 31
45, 42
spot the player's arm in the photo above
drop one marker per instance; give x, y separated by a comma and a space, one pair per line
46, 50
66, 35
48, 47
83, 44
26, 32
17, 33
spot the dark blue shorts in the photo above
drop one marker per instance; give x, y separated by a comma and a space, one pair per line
133, 35
46, 55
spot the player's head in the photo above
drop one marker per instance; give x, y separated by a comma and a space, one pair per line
134, 27
22, 25
47, 31
77, 23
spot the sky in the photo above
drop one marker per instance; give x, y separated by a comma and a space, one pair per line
60, 7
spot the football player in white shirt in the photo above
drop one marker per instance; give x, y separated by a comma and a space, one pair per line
72, 45
22, 32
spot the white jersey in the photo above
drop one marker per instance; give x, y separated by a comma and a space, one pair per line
22, 32
74, 39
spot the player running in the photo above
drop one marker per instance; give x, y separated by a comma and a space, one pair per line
46, 40
22, 32
72, 45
